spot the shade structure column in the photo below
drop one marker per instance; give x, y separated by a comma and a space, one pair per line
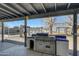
2, 31
25, 30
75, 33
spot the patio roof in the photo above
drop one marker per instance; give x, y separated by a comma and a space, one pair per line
35, 10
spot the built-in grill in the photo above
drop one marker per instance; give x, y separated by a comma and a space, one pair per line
41, 42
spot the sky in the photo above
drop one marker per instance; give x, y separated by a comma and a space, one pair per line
32, 23
35, 22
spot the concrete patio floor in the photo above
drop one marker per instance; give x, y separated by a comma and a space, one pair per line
16, 47
9, 49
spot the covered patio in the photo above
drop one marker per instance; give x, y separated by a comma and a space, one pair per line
26, 11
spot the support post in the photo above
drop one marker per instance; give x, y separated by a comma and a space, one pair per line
50, 25
25, 32
75, 33
2, 31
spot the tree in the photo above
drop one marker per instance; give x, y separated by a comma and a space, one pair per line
69, 20
69, 23
48, 23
